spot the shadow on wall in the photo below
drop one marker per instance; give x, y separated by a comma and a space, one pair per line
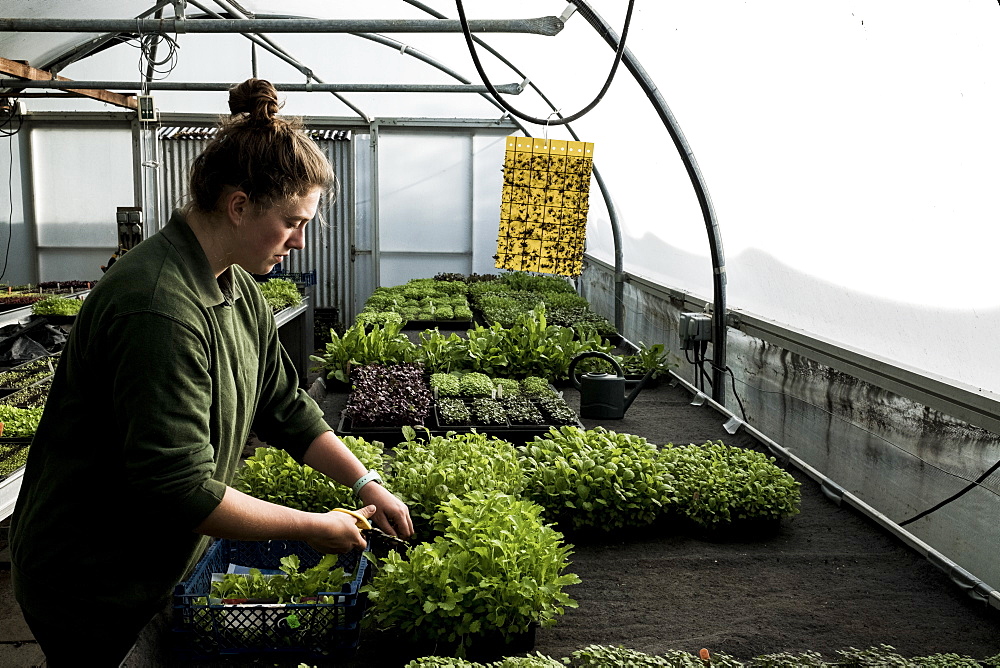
953, 344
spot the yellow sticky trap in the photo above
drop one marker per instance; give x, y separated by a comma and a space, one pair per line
543, 217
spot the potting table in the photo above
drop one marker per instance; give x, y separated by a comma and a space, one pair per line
295, 329
9, 488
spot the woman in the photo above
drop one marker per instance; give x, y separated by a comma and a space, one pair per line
173, 359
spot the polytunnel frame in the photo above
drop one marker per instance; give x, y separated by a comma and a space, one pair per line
882, 373
951, 398
270, 24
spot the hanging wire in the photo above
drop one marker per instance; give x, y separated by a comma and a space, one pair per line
148, 45
531, 119
10, 198
8, 114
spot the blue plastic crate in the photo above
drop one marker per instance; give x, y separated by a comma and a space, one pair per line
205, 631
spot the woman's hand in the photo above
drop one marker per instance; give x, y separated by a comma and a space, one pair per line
391, 515
335, 532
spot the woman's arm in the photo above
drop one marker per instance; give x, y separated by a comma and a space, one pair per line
328, 454
242, 517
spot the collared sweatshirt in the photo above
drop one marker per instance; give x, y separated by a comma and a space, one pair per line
166, 371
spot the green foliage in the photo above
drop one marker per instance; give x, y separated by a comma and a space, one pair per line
381, 318
439, 353
57, 306
324, 577
537, 660
607, 656
273, 475
873, 657
788, 660
519, 280
497, 568
535, 386
446, 384
596, 478
945, 660
649, 358
488, 411
19, 422
280, 293
716, 484
382, 345
33, 396
508, 387
475, 384
453, 411
529, 347
556, 410
423, 299
28, 373
521, 411
429, 472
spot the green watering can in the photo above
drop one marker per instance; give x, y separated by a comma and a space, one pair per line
602, 395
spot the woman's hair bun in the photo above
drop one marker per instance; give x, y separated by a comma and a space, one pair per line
256, 98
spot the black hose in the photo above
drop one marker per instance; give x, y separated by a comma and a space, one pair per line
531, 119
953, 497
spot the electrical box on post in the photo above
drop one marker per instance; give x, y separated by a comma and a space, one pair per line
694, 327
147, 111
129, 227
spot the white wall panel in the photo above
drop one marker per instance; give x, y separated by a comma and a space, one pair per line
81, 176
425, 192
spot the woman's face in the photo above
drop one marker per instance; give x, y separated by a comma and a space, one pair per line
267, 237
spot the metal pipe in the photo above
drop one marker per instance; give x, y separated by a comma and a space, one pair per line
151, 63
544, 25
510, 89
274, 48
88, 48
700, 188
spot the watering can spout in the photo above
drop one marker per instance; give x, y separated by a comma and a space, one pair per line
638, 388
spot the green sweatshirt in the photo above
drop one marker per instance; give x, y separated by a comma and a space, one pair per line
165, 373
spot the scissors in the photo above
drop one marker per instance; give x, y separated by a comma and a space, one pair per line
371, 532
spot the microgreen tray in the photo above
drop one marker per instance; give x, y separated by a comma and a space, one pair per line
13, 455
206, 630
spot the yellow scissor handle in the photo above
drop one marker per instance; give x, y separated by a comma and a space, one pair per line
362, 522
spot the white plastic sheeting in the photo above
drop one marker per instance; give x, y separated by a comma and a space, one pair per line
849, 148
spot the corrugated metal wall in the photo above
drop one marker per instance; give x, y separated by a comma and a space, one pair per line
328, 238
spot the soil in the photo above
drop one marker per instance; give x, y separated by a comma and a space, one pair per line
825, 580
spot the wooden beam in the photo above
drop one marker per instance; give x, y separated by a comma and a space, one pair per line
23, 71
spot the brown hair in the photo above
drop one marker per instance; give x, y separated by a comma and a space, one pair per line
267, 157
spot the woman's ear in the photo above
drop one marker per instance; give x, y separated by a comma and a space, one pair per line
237, 205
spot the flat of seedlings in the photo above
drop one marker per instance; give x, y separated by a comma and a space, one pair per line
828, 579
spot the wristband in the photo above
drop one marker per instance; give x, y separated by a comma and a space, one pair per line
365, 479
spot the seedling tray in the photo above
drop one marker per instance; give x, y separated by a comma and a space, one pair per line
204, 629
13, 455
439, 324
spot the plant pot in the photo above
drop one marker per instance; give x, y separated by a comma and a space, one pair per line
58, 319
481, 648
437, 324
